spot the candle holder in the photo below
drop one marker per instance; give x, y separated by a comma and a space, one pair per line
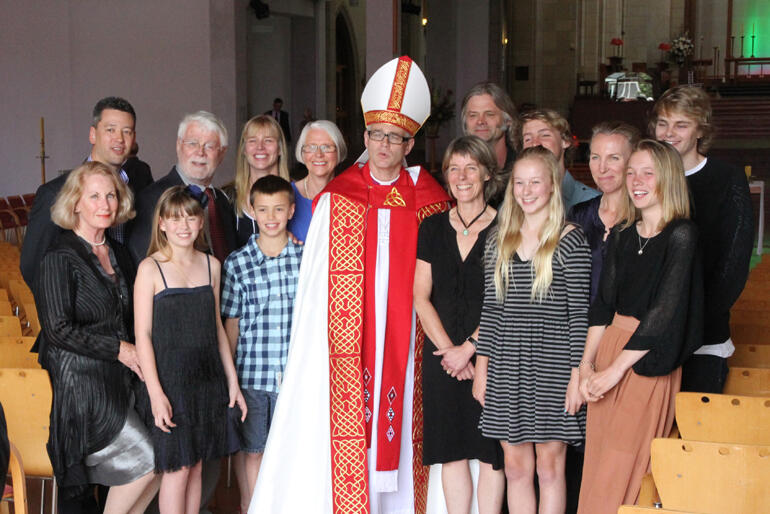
732, 46
742, 46
752, 45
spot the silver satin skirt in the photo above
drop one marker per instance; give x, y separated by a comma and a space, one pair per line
128, 457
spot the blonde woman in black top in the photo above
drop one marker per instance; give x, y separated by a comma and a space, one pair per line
646, 320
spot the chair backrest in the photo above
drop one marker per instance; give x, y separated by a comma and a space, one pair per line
19, 482
16, 201
742, 333
10, 326
711, 478
721, 418
29, 199
30, 311
20, 293
750, 356
26, 398
750, 317
748, 382
21, 215
15, 352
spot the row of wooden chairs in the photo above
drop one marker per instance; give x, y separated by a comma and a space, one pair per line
16, 299
17, 201
750, 316
25, 389
721, 463
26, 395
14, 217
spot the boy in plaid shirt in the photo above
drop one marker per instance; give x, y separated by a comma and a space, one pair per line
260, 282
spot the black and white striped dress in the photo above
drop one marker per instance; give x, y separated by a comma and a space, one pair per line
532, 346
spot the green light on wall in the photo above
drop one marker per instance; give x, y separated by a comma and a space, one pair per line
752, 18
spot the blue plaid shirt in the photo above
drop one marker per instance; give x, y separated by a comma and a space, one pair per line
260, 291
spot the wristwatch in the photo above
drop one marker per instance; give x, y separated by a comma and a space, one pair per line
473, 341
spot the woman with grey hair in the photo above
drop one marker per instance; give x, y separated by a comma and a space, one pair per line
448, 293
320, 148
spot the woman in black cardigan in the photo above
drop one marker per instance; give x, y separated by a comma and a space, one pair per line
83, 296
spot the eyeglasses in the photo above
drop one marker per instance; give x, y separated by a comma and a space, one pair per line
194, 146
315, 148
393, 138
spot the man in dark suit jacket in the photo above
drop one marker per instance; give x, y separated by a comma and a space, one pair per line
282, 117
112, 134
200, 147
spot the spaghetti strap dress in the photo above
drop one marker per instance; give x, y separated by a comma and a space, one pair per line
184, 338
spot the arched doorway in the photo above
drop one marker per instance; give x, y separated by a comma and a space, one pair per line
346, 99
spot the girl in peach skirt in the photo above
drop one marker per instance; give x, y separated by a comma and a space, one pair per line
645, 321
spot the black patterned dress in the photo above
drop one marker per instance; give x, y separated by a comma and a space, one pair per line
184, 338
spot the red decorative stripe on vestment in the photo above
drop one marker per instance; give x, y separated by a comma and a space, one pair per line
350, 491
420, 473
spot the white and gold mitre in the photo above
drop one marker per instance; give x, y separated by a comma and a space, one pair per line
397, 94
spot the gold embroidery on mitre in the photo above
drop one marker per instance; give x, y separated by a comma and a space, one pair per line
394, 118
394, 199
399, 84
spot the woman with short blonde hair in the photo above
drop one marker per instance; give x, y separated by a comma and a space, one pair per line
611, 145
63, 211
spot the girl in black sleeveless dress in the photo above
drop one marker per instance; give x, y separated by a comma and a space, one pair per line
190, 378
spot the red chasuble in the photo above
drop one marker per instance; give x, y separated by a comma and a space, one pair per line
355, 199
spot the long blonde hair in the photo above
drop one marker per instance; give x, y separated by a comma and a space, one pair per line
509, 230
266, 123
671, 184
176, 201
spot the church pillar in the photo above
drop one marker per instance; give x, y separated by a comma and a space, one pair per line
382, 24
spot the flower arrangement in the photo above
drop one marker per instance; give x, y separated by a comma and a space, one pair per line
617, 43
681, 49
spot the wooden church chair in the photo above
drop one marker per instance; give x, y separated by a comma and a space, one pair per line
711, 478
10, 326
19, 481
750, 356
748, 382
26, 397
722, 418
14, 353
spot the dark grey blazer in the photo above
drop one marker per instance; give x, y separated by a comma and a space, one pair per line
139, 239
